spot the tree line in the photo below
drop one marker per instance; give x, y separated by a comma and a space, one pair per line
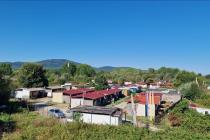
34, 75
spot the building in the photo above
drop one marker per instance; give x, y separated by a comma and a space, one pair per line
142, 84
146, 104
54, 89
97, 115
30, 93
96, 98
154, 86
150, 109
127, 83
204, 111
68, 94
67, 86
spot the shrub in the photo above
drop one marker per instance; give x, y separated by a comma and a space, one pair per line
191, 91
174, 120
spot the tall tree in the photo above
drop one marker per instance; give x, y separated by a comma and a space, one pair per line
5, 87
69, 68
6, 69
85, 70
101, 82
191, 91
184, 77
32, 75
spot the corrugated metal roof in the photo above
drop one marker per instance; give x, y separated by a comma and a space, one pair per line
98, 94
74, 92
142, 99
112, 111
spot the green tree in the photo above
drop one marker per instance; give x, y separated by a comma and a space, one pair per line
184, 77
191, 91
5, 82
69, 68
5, 69
85, 70
32, 75
100, 82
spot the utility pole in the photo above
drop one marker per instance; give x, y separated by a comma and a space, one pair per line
133, 110
197, 81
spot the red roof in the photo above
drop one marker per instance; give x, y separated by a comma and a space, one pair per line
74, 92
98, 94
142, 99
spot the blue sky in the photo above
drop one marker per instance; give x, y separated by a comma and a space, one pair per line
120, 33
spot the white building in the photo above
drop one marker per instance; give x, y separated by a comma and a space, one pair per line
141, 110
29, 93
67, 86
203, 111
53, 89
127, 83
97, 115
154, 86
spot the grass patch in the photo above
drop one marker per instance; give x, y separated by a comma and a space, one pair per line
32, 126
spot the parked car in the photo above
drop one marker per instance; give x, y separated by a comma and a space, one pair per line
3, 108
56, 113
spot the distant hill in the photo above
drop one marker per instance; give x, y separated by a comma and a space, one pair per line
58, 63
49, 64
55, 63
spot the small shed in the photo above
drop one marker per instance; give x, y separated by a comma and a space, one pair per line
98, 115
30, 93
54, 89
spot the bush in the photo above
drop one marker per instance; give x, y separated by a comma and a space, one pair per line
174, 120
191, 91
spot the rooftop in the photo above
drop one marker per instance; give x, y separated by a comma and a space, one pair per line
98, 110
54, 87
74, 92
34, 89
98, 94
142, 99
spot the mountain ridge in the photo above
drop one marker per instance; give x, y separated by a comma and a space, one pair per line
58, 63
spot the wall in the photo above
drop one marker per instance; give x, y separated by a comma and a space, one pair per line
57, 97
22, 94
88, 102
100, 119
76, 102
203, 111
66, 99
49, 93
141, 110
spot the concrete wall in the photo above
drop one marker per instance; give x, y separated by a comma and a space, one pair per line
100, 119
141, 110
57, 97
22, 94
49, 93
76, 102
203, 111
88, 102
66, 99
